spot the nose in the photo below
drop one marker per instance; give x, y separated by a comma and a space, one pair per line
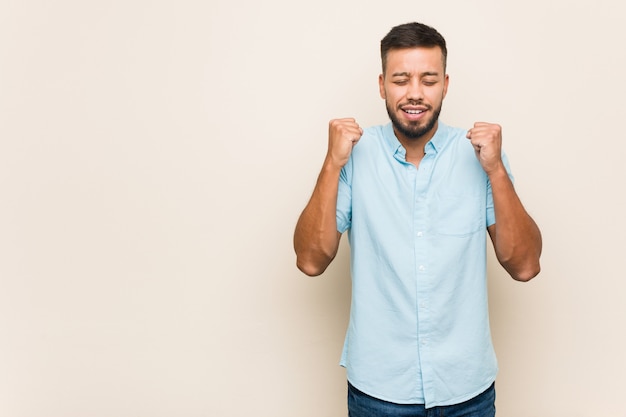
414, 90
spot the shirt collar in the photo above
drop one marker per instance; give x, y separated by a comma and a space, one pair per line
437, 142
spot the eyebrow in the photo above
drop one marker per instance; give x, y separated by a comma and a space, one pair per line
422, 74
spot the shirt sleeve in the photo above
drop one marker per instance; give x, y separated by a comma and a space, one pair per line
491, 214
344, 198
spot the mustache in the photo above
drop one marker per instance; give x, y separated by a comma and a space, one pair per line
416, 103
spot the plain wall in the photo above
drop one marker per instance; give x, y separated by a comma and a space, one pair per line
155, 156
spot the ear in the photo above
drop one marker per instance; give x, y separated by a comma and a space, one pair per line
381, 86
445, 85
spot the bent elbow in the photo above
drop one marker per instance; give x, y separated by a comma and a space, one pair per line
311, 268
313, 261
308, 269
525, 275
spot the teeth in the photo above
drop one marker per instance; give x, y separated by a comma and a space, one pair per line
414, 111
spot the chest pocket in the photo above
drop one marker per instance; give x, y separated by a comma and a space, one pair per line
458, 215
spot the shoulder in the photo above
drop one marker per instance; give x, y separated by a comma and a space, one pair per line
453, 132
371, 142
373, 133
375, 137
452, 140
369, 150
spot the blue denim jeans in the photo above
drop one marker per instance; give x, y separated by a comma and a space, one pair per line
362, 405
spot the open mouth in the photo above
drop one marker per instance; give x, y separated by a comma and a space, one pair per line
414, 112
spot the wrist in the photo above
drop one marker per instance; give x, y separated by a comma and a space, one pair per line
331, 164
498, 172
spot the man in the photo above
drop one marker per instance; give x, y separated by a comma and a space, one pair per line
417, 198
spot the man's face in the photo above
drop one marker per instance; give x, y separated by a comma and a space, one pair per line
413, 86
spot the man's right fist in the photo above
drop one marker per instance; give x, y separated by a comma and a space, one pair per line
343, 134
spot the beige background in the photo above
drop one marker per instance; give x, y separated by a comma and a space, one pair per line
155, 155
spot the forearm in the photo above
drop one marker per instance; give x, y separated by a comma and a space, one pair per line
517, 239
316, 239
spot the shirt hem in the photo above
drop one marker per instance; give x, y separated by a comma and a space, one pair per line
453, 401
461, 399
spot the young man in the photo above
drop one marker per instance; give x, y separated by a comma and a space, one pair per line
417, 198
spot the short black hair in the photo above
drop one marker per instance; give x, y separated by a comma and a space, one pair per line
412, 35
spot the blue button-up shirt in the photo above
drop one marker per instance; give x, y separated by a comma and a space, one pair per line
419, 326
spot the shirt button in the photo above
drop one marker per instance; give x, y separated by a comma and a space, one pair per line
420, 234
422, 268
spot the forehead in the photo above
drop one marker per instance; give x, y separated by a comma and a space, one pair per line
414, 60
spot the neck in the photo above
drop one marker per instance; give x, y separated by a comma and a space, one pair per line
415, 147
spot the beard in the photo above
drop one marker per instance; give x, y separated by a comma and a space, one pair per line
413, 130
